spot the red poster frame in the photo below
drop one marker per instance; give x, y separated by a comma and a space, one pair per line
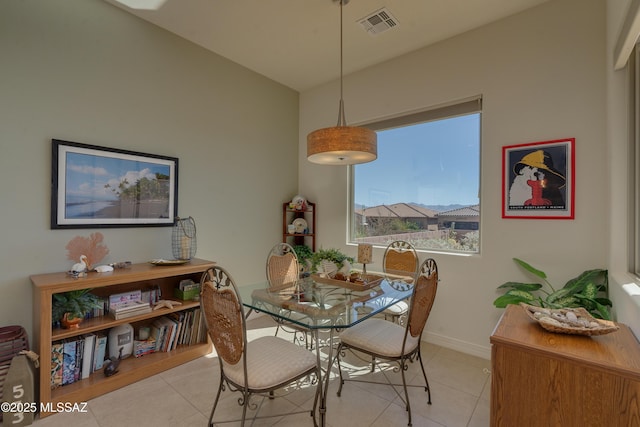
538, 180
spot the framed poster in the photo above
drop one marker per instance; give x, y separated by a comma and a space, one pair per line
93, 187
538, 180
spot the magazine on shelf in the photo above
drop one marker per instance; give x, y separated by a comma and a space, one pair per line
129, 309
122, 299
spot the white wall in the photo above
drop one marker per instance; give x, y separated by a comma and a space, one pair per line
542, 76
85, 71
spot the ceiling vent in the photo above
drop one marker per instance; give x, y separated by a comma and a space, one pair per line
379, 21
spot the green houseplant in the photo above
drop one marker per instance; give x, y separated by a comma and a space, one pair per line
68, 306
588, 290
333, 255
304, 254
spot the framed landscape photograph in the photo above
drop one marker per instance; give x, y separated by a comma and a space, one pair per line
538, 180
95, 187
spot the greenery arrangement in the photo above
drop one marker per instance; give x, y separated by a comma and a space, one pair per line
304, 253
333, 255
76, 303
588, 290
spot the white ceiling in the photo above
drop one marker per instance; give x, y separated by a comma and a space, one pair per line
297, 42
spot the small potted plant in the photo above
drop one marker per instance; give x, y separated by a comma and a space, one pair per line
589, 290
304, 254
69, 308
333, 255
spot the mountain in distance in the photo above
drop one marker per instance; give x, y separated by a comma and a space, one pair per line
440, 208
437, 208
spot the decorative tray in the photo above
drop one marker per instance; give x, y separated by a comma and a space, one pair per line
169, 261
575, 321
372, 281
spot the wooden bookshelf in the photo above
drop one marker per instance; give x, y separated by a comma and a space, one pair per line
132, 369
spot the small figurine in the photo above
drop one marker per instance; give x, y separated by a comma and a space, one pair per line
112, 367
299, 203
103, 268
80, 267
166, 303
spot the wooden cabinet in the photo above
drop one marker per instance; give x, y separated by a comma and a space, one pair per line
539, 378
132, 369
299, 236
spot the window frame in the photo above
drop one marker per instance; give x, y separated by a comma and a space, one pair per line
471, 105
634, 163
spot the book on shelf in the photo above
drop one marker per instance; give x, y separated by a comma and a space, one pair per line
178, 318
79, 353
87, 356
151, 294
187, 325
57, 354
68, 362
158, 332
171, 331
144, 347
99, 352
199, 327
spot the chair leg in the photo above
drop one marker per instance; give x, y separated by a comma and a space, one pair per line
406, 392
308, 344
215, 403
316, 401
424, 374
245, 405
339, 369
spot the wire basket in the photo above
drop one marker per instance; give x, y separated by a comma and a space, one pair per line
183, 239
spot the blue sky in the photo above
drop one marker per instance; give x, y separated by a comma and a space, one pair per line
433, 163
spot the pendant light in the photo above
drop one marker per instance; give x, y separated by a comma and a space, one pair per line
342, 144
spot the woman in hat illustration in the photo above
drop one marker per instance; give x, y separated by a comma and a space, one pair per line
536, 182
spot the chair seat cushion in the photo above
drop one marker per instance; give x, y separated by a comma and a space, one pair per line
397, 309
271, 361
380, 337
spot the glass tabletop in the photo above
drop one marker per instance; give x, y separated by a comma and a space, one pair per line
318, 302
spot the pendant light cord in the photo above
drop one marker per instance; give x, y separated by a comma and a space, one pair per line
341, 118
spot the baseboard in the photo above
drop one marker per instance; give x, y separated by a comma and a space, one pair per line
458, 345
441, 340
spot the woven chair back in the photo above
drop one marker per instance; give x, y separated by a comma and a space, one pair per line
423, 297
223, 314
400, 257
282, 270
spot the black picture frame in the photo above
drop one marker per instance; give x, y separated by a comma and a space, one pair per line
100, 187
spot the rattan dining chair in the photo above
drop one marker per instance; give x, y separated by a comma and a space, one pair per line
390, 341
283, 268
255, 368
400, 257
283, 274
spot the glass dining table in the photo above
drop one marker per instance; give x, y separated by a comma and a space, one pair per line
321, 304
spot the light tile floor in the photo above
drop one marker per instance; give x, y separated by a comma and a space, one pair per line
183, 396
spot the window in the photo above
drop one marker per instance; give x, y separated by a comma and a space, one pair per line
634, 159
424, 186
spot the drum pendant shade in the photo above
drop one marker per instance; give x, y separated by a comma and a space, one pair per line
342, 144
